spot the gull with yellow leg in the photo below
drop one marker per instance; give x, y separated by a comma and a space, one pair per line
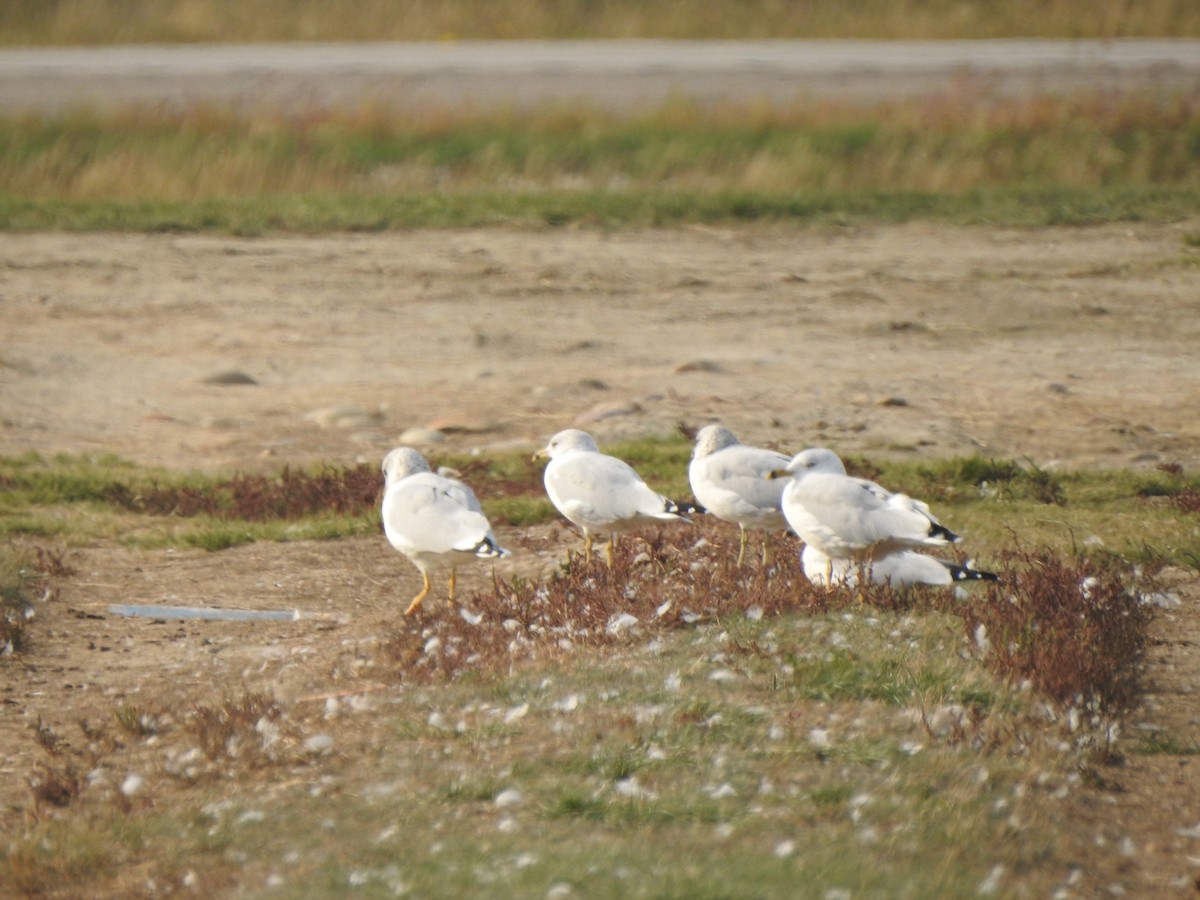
433, 520
729, 479
600, 494
852, 523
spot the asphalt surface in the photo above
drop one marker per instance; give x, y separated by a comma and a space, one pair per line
620, 75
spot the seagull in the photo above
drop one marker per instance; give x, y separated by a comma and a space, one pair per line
599, 493
853, 519
432, 519
729, 479
901, 569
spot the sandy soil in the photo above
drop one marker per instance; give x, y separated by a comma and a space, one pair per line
1070, 347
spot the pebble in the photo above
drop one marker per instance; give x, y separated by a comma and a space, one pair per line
455, 425
421, 436
602, 411
344, 415
231, 377
698, 365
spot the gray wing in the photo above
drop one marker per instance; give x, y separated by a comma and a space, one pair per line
593, 490
858, 516
431, 514
732, 483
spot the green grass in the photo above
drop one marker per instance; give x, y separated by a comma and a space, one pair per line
991, 502
158, 21
1040, 162
86, 498
628, 794
846, 748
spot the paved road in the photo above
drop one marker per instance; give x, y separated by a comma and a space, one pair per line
613, 74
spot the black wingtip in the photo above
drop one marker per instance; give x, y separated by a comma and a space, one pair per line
936, 529
684, 507
965, 573
489, 549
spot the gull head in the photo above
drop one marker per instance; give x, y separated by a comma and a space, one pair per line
814, 459
566, 441
402, 462
712, 438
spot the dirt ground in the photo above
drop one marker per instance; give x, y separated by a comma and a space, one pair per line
1069, 347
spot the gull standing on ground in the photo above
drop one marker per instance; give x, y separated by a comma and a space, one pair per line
599, 493
432, 519
730, 481
852, 519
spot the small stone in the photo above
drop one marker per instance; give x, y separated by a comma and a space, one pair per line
892, 401
344, 415
698, 365
231, 377
421, 436
602, 411
456, 425
1057, 387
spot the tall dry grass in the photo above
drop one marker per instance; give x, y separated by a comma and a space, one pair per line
951, 145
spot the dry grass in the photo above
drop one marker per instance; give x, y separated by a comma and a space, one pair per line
350, 491
1076, 630
950, 145
136, 21
866, 718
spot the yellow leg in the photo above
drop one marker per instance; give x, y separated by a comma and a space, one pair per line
587, 547
420, 598
741, 547
764, 560
452, 579
608, 549
829, 572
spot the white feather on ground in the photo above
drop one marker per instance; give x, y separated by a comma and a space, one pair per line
434, 520
598, 493
730, 480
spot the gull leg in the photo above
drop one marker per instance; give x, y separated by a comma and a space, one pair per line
420, 598
764, 557
742, 546
587, 547
829, 572
452, 579
608, 548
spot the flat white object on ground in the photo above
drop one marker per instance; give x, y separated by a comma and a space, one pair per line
598, 493
730, 480
433, 520
904, 568
854, 519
